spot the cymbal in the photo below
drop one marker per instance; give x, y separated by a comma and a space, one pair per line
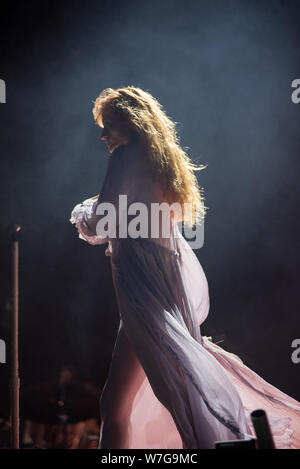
72, 402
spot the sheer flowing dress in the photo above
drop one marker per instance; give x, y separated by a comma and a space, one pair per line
194, 392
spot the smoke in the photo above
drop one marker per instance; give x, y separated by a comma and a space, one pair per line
223, 71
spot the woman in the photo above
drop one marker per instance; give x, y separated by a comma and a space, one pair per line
167, 387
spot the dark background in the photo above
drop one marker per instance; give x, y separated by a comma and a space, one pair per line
223, 71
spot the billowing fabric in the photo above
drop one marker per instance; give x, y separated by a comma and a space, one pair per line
194, 392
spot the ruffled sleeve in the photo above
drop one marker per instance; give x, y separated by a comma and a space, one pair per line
83, 216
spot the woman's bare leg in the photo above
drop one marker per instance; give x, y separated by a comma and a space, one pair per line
125, 377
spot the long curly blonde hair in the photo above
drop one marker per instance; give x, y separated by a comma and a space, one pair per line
142, 113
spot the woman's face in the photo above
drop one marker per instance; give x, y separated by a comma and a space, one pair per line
112, 133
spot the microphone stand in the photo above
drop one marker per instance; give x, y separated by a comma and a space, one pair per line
15, 381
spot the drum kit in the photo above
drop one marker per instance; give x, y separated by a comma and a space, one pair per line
62, 415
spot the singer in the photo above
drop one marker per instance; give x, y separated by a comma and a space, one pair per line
168, 386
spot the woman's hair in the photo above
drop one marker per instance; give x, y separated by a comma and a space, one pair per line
140, 112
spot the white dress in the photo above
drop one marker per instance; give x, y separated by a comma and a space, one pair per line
194, 393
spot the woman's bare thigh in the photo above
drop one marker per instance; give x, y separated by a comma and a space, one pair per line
125, 377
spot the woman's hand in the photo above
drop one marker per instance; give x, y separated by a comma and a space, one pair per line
95, 198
